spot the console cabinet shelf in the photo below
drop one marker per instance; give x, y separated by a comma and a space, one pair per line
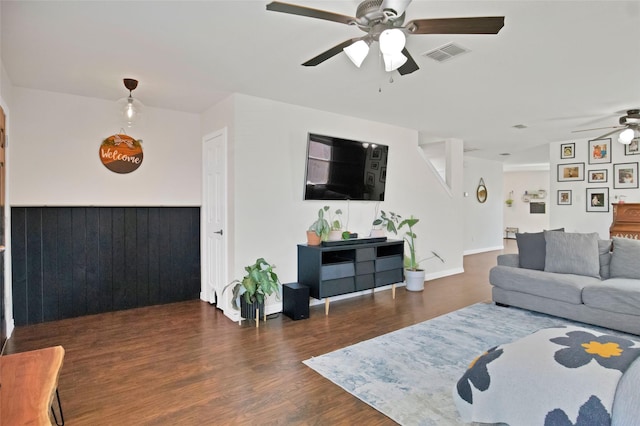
335, 270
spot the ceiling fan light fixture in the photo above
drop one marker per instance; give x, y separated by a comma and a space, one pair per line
626, 136
357, 52
393, 62
392, 41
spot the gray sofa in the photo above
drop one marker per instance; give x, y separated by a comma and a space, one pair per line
580, 278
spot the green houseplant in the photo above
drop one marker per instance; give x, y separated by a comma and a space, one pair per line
319, 230
509, 200
250, 292
387, 222
413, 274
335, 225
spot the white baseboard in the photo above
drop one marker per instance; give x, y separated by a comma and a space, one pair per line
482, 250
445, 273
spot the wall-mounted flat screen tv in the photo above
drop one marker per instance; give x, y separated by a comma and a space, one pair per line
344, 169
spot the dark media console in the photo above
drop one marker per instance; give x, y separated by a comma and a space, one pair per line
334, 270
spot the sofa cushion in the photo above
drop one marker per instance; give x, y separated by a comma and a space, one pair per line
532, 249
621, 295
509, 259
564, 287
572, 253
604, 252
624, 258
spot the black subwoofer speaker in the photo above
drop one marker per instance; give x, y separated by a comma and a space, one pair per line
295, 301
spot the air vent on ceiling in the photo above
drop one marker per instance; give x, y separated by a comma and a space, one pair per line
446, 52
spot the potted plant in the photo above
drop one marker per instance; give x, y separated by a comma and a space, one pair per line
335, 225
414, 276
509, 200
250, 292
319, 230
385, 223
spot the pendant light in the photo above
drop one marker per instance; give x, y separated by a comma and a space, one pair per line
130, 108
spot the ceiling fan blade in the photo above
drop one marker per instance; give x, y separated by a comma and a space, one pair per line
293, 9
398, 6
409, 66
607, 134
599, 128
479, 25
329, 53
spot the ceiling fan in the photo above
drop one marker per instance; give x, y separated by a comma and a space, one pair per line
630, 123
382, 21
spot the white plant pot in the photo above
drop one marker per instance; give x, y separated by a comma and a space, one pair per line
376, 233
335, 235
414, 279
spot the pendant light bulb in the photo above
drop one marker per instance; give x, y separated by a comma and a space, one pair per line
130, 108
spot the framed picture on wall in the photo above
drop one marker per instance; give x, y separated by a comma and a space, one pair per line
567, 150
599, 176
600, 151
598, 199
371, 179
632, 148
625, 175
564, 197
570, 172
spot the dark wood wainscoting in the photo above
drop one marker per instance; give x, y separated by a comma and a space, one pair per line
74, 261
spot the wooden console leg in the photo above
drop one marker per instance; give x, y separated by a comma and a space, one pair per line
393, 291
257, 317
326, 306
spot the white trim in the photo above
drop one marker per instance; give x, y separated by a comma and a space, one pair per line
482, 250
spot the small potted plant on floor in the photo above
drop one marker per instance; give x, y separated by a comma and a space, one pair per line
250, 292
319, 230
414, 276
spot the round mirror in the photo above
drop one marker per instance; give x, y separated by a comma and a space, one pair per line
481, 193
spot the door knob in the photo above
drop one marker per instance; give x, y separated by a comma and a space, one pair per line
218, 232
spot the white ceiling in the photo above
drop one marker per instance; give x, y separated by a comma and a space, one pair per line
556, 66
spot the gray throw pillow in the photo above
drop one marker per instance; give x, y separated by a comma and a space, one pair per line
531, 250
624, 258
572, 253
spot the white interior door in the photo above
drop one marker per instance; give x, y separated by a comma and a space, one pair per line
213, 217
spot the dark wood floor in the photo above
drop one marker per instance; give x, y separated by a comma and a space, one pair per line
187, 364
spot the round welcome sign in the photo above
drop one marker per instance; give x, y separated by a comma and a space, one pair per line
121, 153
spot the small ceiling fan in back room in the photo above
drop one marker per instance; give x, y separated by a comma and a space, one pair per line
383, 22
629, 128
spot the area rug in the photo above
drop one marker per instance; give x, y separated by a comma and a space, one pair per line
409, 374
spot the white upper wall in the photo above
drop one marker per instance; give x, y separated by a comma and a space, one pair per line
482, 221
519, 214
271, 218
54, 160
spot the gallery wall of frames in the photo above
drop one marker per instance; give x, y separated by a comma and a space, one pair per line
588, 176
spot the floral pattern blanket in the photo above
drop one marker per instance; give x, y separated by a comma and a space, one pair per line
555, 376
